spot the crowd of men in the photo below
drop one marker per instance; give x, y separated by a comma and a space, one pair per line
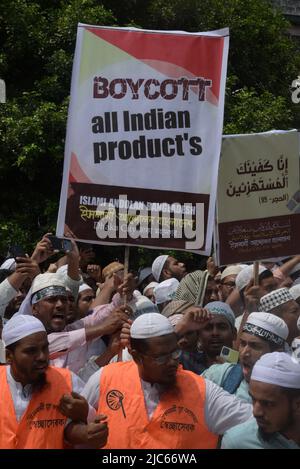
168, 359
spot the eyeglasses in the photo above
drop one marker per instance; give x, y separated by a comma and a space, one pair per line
163, 359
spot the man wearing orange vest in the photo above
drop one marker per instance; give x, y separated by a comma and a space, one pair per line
152, 403
36, 399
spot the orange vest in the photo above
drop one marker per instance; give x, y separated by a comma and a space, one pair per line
42, 425
178, 421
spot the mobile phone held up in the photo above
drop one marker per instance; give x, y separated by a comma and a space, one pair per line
229, 355
59, 244
16, 251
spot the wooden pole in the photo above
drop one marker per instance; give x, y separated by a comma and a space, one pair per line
126, 268
247, 313
126, 260
255, 273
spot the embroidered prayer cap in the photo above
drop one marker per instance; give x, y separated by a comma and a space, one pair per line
111, 269
231, 270
295, 291
20, 326
158, 265
222, 309
165, 291
246, 275
277, 368
150, 325
274, 299
267, 326
150, 285
46, 285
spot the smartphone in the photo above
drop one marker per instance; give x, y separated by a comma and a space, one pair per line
60, 244
229, 355
16, 251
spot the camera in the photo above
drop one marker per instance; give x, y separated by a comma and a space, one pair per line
16, 251
60, 244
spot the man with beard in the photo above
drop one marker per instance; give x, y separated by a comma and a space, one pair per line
152, 403
201, 344
275, 392
219, 331
165, 267
281, 303
70, 345
227, 280
36, 399
262, 333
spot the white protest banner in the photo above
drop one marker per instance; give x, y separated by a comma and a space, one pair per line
258, 205
143, 137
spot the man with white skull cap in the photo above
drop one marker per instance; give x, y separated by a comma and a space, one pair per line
86, 295
165, 267
28, 421
71, 345
281, 303
227, 280
275, 391
144, 398
262, 333
164, 292
249, 294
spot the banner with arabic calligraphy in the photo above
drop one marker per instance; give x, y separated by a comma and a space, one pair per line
144, 137
258, 202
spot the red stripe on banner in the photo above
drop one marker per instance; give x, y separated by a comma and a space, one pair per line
199, 55
76, 173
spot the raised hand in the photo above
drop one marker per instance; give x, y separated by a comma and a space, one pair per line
43, 250
128, 286
27, 267
94, 271
115, 321
193, 320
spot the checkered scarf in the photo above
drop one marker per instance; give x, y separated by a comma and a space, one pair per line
192, 287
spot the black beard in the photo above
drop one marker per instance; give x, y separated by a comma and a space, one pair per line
39, 384
264, 435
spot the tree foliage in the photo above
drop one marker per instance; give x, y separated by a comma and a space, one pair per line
37, 45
